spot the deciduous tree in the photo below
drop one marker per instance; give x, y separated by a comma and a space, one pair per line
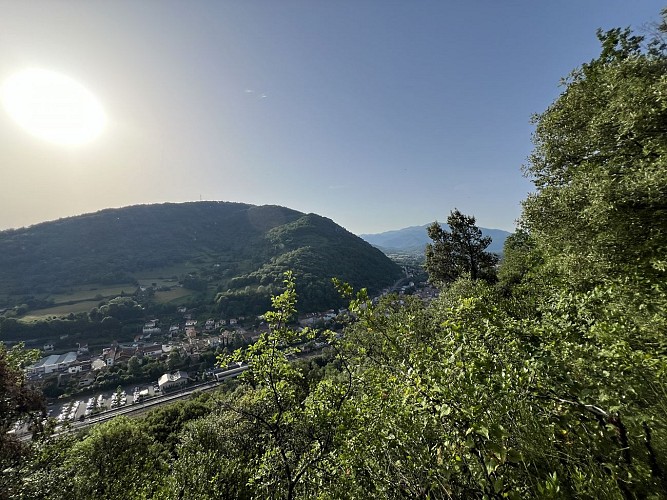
600, 167
297, 427
18, 401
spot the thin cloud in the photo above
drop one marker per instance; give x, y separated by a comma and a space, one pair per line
258, 95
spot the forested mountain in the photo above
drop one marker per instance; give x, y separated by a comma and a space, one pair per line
415, 238
237, 250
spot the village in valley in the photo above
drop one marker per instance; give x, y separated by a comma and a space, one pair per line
164, 357
169, 356
189, 344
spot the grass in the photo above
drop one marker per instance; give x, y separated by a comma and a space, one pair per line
164, 273
60, 310
83, 298
83, 301
157, 282
89, 292
172, 295
78, 299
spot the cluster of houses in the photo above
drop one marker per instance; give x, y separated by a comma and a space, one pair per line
151, 343
70, 363
118, 353
189, 338
315, 318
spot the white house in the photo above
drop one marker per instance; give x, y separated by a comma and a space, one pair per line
172, 380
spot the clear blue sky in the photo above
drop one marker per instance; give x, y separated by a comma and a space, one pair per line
377, 114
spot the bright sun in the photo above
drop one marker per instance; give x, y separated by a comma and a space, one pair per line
53, 107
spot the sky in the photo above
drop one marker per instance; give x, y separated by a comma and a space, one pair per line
378, 114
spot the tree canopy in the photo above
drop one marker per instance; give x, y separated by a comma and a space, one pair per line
600, 208
19, 402
462, 250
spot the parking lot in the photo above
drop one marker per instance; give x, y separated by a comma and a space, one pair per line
79, 409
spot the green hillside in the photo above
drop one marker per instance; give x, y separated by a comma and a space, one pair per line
234, 251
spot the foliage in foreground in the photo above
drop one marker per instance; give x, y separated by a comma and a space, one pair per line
453, 399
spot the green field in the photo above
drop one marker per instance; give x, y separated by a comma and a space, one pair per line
173, 295
165, 274
157, 282
90, 292
61, 310
84, 298
79, 299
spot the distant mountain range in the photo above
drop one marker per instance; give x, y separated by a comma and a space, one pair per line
233, 250
414, 239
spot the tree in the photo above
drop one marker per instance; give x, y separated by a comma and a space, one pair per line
521, 274
297, 427
600, 167
174, 359
134, 366
461, 251
109, 323
598, 225
213, 457
18, 401
460, 398
117, 458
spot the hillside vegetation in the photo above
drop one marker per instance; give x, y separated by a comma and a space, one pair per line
234, 250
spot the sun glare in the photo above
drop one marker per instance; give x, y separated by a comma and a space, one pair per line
53, 107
